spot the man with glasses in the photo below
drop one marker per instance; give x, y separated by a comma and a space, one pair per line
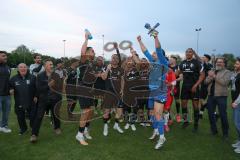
218, 81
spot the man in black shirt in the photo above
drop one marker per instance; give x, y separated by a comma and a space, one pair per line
86, 79
203, 91
42, 91
99, 84
5, 99
193, 75
72, 78
114, 78
24, 87
131, 74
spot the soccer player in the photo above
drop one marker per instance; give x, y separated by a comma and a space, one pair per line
173, 65
130, 75
86, 103
193, 75
171, 82
157, 85
113, 75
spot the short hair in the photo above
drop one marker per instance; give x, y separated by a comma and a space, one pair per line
207, 56
174, 57
46, 60
88, 48
35, 55
21, 64
3, 52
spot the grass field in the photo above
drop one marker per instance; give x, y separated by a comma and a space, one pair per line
181, 144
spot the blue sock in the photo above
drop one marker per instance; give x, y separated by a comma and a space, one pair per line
160, 126
154, 124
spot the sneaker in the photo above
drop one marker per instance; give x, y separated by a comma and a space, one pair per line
86, 134
236, 145
166, 128
237, 150
81, 139
178, 118
58, 131
147, 124
5, 130
160, 143
155, 133
116, 127
33, 139
105, 130
21, 132
133, 127
127, 126
143, 124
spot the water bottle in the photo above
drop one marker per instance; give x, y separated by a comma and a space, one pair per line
89, 34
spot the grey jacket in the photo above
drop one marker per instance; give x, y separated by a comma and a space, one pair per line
222, 81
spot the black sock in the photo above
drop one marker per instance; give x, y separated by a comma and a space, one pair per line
105, 120
81, 129
116, 120
184, 112
196, 116
87, 124
177, 107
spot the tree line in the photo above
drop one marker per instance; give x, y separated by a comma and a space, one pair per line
22, 54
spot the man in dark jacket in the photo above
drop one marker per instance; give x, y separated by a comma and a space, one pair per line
23, 86
42, 90
5, 100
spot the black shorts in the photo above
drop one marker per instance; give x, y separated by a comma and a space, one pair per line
177, 94
187, 94
71, 98
142, 103
85, 102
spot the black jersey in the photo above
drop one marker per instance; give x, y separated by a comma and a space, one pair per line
175, 68
114, 78
87, 74
71, 76
100, 83
207, 67
235, 86
191, 71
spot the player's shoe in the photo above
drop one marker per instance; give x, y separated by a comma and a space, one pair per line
160, 143
105, 129
81, 139
127, 126
133, 127
155, 133
117, 127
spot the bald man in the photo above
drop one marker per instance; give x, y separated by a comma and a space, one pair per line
23, 87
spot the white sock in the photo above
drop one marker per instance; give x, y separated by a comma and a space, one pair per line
166, 118
161, 136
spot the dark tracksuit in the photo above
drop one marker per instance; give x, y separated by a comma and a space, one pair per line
46, 100
24, 92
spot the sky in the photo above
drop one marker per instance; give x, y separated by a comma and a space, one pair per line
42, 25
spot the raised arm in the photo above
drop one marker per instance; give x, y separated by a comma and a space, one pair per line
118, 53
144, 49
134, 55
160, 53
85, 44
